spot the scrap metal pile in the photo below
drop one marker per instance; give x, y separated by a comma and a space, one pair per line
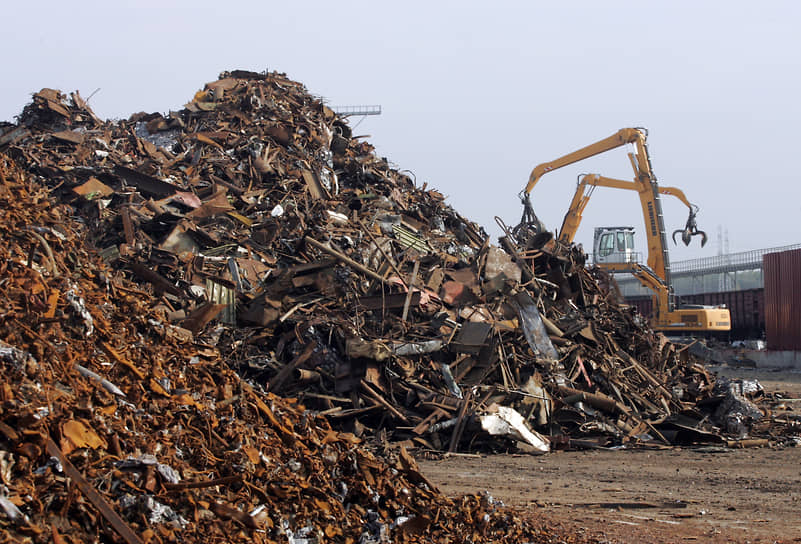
115, 426
253, 228
323, 273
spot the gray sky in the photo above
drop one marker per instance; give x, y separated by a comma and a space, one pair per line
475, 94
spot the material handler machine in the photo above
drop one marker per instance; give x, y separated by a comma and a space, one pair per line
613, 247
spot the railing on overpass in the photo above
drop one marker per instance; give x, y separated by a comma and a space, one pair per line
698, 271
733, 262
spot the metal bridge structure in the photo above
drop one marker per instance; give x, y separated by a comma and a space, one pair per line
720, 273
347, 111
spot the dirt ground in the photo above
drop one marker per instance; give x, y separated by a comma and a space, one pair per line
660, 496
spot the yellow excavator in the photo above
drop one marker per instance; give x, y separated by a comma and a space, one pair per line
613, 246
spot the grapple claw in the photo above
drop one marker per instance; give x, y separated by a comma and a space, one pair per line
690, 230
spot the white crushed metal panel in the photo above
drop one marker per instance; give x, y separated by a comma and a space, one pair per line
220, 294
508, 421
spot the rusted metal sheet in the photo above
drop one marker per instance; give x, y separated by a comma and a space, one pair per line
782, 272
149, 185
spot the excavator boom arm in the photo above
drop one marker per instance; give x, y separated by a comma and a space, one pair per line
581, 198
621, 137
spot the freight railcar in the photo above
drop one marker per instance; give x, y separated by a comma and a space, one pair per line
747, 309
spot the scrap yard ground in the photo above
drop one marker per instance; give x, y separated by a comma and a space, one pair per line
671, 495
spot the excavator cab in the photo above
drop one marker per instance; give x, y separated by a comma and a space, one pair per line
614, 245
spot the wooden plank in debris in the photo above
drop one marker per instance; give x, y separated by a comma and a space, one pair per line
316, 189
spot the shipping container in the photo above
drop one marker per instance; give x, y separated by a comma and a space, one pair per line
782, 272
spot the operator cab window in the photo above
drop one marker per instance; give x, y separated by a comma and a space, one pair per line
621, 241
607, 245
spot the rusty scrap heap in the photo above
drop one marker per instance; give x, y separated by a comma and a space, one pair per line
251, 232
113, 428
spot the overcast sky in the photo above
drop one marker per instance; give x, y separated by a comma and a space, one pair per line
475, 94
